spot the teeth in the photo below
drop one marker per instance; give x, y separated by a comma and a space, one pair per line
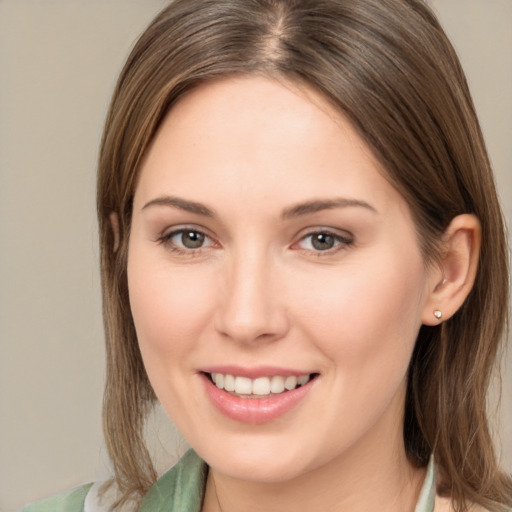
290, 383
262, 386
243, 386
277, 384
303, 380
229, 383
219, 380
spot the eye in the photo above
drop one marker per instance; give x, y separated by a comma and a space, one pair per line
189, 239
324, 241
186, 240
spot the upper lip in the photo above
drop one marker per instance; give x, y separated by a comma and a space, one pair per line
255, 371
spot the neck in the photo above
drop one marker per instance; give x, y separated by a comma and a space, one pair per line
383, 480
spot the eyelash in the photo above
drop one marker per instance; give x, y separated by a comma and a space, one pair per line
166, 240
341, 242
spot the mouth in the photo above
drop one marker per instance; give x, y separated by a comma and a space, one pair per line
257, 396
260, 387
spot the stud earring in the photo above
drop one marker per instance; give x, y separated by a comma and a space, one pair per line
438, 314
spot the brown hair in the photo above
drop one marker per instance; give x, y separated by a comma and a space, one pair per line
389, 68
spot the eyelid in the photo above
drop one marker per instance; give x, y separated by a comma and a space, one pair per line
177, 228
165, 239
343, 238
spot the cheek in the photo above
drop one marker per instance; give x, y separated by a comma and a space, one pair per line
366, 326
169, 306
368, 313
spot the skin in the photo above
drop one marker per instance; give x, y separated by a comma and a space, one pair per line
258, 291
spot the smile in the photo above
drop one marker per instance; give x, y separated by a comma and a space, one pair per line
257, 399
259, 387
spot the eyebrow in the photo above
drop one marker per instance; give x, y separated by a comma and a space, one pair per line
324, 204
297, 210
180, 204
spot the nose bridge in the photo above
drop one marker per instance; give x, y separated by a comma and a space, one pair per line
250, 308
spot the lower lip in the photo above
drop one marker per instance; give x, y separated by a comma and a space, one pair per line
255, 411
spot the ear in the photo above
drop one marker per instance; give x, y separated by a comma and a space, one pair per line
114, 224
452, 278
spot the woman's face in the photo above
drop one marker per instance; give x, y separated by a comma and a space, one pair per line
267, 248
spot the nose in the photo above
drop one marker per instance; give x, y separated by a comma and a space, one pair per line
251, 306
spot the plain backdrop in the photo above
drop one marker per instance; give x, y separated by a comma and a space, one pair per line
58, 63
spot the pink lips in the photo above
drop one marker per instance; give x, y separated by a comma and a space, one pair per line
254, 410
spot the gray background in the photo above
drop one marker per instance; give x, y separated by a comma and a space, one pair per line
58, 63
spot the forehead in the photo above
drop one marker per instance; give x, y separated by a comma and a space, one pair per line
260, 134
275, 97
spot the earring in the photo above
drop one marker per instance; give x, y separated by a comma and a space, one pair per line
438, 314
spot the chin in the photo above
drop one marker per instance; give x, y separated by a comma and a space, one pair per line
264, 462
259, 469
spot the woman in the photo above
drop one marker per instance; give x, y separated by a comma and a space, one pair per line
303, 260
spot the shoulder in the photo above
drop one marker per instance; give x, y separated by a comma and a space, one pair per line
70, 501
181, 488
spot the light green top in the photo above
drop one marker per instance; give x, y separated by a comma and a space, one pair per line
181, 489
